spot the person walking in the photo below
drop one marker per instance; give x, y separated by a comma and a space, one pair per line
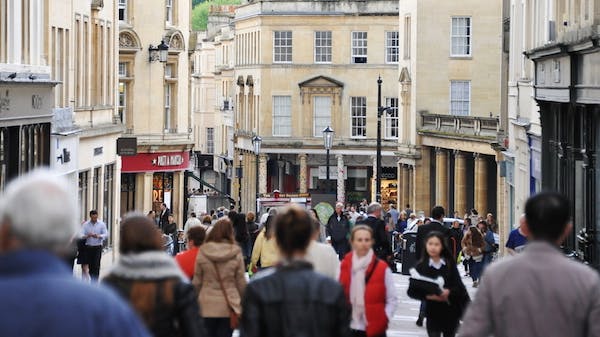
163, 218
94, 232
368, 285
473, 245
455, 234
291, 299
540, 292
220, 280
338, 229
187, 259
153, 283
242, 235
252, 228
265, 253
382, 244
490, 244
322, 255
448, 299
192, 221
39, 295
517, 241
436, 224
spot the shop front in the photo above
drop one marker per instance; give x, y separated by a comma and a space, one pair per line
150, 179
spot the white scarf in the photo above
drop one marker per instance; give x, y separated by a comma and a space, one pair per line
357, 285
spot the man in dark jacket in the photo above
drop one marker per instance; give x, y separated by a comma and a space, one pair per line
455, 238
382, 246
338, 228
164, 216
437, 214
292, 299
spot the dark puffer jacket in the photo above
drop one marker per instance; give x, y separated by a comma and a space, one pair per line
293, 300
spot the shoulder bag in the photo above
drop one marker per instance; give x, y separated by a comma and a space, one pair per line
234, 319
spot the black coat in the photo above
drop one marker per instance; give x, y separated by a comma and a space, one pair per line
339, 232
443, 315
183, 312
164, 219
455, 240
293, 300
424, 230
382, 246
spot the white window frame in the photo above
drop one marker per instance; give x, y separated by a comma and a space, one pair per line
285, 50
169, 11
321, 120
359, 47
210, 140
457, 35
323, 46
169, 70
122, 69
282, 116
390, 47
122, 107
168, 109
460, 99
390, 118
354, 105
122, 5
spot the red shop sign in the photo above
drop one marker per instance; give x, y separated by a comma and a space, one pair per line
156, 162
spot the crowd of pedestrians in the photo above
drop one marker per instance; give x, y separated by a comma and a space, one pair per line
281, 276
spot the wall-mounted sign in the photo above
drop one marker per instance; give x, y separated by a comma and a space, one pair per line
98, 151
127, 146
156, 162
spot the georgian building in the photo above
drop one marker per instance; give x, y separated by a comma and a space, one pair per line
452, 66
567, 78
82, 54
153, 102
26, 84
301, 66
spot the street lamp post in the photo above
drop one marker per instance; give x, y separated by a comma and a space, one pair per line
256, 142
380, 111
239, 174
328, 139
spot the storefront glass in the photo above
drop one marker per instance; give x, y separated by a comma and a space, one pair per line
162, 190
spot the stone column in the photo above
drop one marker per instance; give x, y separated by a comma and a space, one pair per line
303, 173
460, 183
480, 184
422, 181
178, 197
441, 176
280, 174
262, 173
405, 188
341, 183
147, 182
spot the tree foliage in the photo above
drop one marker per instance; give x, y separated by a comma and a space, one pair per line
200, 11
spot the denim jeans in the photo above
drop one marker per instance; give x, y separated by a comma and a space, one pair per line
475, 269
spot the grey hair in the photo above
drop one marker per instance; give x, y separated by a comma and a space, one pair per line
339, 205
40, 210
373, 207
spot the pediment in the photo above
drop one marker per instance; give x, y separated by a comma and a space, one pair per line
321, 82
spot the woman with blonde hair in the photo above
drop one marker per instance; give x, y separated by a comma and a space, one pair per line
369, 286
265, 253
220, 280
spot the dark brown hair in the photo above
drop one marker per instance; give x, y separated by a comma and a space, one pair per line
139, 234
476, 237
293, 230
207, 219
196, 235
222, 231
250, 217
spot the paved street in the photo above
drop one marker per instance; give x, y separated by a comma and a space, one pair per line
403, 323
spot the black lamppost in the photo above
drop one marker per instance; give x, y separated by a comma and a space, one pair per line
256, 142
328, 139
239, 174
380, 111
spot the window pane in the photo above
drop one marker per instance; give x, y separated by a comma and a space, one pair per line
359, 116
322, 114
460, 98
461, 36
282, 115
282, 46
359, 47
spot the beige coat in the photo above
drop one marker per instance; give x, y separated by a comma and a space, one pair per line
228, 259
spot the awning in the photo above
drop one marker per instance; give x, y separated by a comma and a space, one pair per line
204, 183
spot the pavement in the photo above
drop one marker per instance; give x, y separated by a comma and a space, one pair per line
402, 325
